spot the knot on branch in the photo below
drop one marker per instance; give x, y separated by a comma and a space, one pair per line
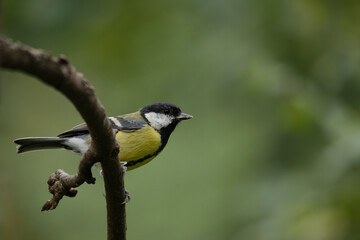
62, 59
63, 184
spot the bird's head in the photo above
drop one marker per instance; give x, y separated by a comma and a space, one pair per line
163, 116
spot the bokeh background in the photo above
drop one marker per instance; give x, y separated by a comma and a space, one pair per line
273, 152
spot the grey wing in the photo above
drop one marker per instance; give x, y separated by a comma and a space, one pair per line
117, 123
78, 130
126, 125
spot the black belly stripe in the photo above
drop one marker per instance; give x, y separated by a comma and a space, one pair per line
135, 162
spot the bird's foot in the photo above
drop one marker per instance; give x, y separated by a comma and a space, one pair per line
127, 197
101, 173
123, 165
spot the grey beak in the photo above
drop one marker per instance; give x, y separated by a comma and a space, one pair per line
184, 116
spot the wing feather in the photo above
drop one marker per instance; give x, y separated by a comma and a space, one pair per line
125, 123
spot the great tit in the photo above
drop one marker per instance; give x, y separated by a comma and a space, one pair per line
142, 135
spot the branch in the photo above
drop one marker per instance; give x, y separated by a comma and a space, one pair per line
57, 72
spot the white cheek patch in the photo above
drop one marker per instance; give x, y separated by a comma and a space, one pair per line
158, 120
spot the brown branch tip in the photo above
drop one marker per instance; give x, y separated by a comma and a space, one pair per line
62, 184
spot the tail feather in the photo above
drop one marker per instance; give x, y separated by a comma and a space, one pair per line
38, 143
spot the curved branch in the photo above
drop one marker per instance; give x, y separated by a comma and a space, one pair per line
57, 72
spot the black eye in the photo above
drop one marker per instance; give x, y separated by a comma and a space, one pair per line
166, 111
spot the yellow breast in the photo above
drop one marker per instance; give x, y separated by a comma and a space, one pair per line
138, 145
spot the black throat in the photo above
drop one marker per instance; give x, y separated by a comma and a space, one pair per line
166, 132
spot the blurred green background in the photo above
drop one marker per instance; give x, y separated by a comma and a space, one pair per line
273, 151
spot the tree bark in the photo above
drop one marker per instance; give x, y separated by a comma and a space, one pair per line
57, 72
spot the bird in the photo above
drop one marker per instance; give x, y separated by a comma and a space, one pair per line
142, 135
